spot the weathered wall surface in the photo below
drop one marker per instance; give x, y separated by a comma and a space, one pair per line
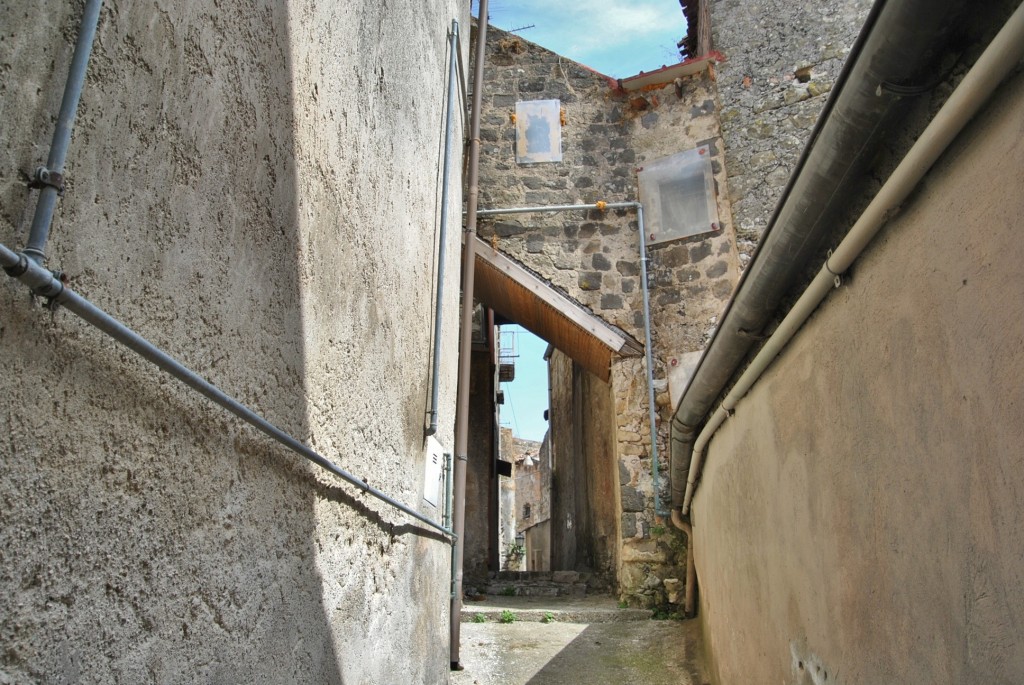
533, 483
594, 257
561, 433
228, 176
860, 516
781, 60
481, 486
584, 506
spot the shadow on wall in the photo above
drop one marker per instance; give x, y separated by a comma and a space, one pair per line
148, 536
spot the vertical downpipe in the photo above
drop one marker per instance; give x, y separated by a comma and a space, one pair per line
652, 412
51, 177
453, 41
466, 337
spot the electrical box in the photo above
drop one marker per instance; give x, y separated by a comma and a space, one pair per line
433, 478
678, 195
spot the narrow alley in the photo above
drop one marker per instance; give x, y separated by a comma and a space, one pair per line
559, 640
265, 268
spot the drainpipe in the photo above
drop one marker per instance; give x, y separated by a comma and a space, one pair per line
45, 284
689, 601
435, 381
603, 206
658, 512
50, 178
1002, 56
896, 47
466, 338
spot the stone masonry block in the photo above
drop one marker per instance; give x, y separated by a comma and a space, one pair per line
611, 301
601, 263
701, 250
632, 499
717, 269
627, 268
589, 280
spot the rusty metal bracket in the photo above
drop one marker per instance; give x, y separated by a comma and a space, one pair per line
45, 178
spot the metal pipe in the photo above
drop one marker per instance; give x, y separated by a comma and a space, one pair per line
894, 47
689, 603
655, 476
51, 177
435, 380
44, 283
603, 206
466, 338
463, 99
556, 208
1001, 56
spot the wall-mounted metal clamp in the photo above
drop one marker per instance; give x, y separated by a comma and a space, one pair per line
18, 269
45, 178
838, 277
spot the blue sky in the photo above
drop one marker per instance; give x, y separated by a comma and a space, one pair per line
526, 397
618, 38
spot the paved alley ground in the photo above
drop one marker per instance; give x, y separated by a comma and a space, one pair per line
617, 647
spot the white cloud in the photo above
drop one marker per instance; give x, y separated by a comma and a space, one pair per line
619, 37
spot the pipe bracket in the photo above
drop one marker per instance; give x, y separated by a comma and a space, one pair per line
51, 293
838, 278
44, 178
15, 270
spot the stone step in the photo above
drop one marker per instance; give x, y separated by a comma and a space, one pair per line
542, 576
535, 589
550, 609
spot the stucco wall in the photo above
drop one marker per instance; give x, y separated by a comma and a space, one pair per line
781, 60
860, 515
230, 180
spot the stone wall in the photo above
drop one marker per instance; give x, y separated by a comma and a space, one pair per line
533, 484
230, 173
859, 517
593, 257
781, 59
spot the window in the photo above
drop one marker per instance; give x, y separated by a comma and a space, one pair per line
526, 511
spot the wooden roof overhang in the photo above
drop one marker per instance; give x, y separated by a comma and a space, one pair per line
516, 293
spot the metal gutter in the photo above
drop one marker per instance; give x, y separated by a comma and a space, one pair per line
50, 179
45, 284
899, 44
